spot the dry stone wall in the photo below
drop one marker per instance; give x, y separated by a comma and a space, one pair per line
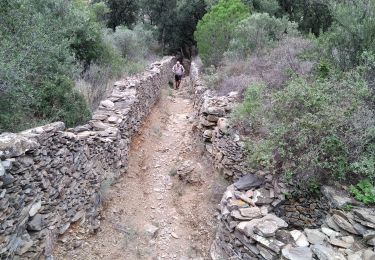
52, 177
256, 220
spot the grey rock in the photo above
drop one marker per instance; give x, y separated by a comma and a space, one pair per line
262, 197
7, 180
299, 238
329, 232
326, 253
314, 236
107, 104
266, 253
368, 254
248, 181
35, 208
269, 243
266, 228
247, 227
253, 212
36, 223
335, 198
344, 224
340, 243
297, 253
151, 230
2, 169
366, 214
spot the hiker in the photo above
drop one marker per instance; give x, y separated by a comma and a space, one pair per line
178, 71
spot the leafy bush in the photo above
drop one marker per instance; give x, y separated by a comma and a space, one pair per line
271, 66
44, 47
260, 30
364, 192
322, 129
351, 33
215, 29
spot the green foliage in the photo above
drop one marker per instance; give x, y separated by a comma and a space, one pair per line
351, 34
308, 126
122, 12
364, 192
311, 16
63, 103
258, 31
214, 31
43, 47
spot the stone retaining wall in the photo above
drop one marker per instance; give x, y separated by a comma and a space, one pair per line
52, 177
248, 227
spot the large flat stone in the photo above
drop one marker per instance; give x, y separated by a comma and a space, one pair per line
314, 236
335, 198
248, 181
326, 253
297, 253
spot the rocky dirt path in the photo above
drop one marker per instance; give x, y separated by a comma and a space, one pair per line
164, 206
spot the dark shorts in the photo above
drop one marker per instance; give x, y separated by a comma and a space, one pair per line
177, 77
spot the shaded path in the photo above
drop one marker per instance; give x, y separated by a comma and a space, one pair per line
164, 207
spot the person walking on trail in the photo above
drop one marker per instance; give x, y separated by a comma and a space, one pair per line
178, 71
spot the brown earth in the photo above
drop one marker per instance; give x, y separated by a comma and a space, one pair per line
169, 187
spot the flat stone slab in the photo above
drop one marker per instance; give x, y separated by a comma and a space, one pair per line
297, 253
248, 181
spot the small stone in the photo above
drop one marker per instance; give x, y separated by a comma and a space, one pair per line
344, 224
107, 103
299, 238
339, 243
326, 253
266, 228
2, 169
35, 208
314, 236
174, 235
35, 224
366, 214
329, 232
250, 213
297, 253
151, 230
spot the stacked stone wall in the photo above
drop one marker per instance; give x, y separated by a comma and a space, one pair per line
52, 177
256, 218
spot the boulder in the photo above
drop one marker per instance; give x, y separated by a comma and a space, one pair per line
269, 243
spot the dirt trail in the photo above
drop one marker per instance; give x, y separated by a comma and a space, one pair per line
164, 206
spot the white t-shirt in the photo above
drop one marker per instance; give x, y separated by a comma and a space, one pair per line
178, 70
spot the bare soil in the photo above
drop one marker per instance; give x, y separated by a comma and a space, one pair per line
169, 185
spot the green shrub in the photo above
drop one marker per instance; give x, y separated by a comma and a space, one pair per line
351, 33
214, 31
364, 192
260, 30
322, 129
